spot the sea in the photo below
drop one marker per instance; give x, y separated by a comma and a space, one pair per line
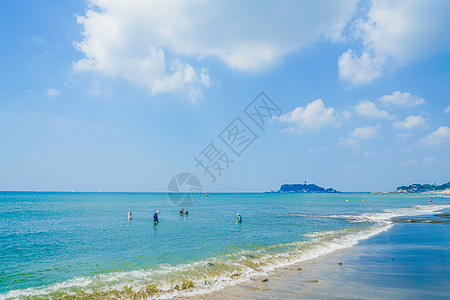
70, 245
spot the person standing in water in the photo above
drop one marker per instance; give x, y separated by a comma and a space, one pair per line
155, 217
182, 212
129, 216
239, 218
431, 200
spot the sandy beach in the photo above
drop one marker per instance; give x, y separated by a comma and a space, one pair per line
224, 149
382, 267
387, 247
308, 279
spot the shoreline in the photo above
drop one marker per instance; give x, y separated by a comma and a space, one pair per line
370, 247
375, 268
304, 275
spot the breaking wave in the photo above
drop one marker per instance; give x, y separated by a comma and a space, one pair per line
205, 276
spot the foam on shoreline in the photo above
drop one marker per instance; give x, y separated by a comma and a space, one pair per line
207, 276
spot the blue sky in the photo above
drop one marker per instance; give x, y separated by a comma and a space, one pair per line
120, 95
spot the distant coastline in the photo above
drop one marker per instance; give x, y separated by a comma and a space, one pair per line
421, 188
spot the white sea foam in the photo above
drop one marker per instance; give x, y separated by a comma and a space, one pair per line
388, 214
210, 275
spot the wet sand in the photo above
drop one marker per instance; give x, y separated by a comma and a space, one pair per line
310, 279
411, 261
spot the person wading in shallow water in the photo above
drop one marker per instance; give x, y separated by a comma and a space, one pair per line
239, 218
155, 217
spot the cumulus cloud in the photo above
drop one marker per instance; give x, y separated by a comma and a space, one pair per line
52, 92
367, 132
155, 43
369, 109
393, 34
314, 116
447, 110
401, 99
411, 122
348, 143
439, 136
346, 114
359, 70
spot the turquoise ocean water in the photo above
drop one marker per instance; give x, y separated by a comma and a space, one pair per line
81, 245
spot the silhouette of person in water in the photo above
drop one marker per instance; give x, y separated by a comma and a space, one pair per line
182, 212
129, 216
155, 217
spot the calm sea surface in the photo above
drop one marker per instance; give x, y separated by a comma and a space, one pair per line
76, 245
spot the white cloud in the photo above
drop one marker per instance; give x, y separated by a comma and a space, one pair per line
313, 116
150, 42
359, 70
52, 92
439, 136
346, 114
348, 143
401, 99
367, 132
393, 34
369, 109
447, 110
411, 122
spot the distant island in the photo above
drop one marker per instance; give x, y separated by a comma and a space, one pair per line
304, 188
420, 188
